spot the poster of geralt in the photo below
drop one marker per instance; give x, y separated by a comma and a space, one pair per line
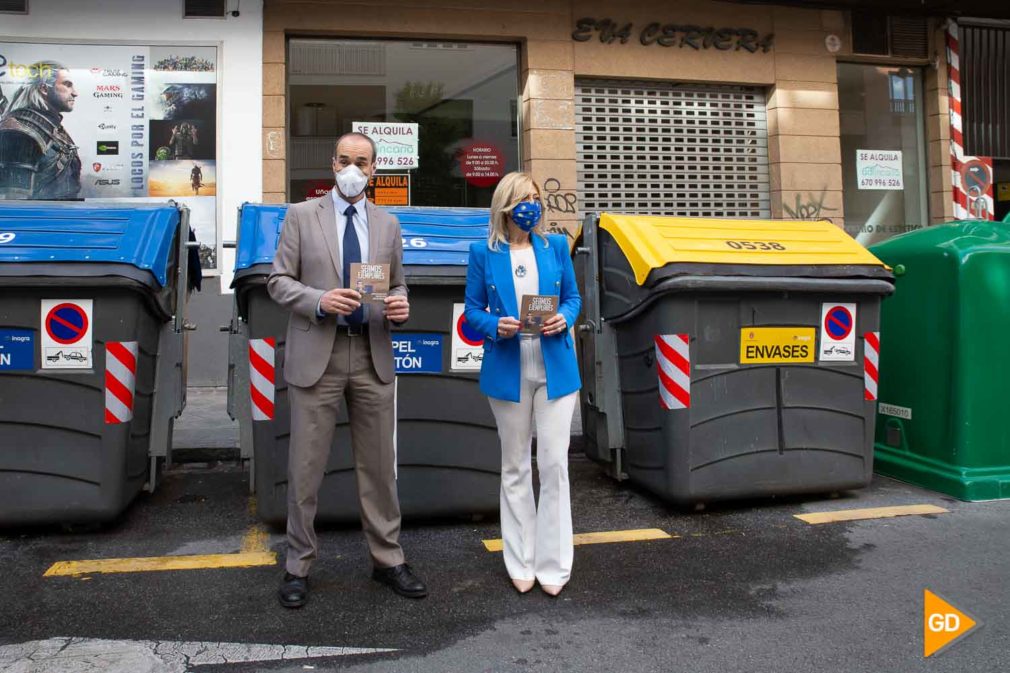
113, 123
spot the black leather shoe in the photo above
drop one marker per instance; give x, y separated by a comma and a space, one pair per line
402, 580
294, 591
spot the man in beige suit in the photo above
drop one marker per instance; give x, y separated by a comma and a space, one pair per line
339, 350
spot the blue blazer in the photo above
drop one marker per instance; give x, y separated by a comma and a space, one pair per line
490, 295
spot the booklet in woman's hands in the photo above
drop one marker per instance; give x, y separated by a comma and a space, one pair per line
535, 310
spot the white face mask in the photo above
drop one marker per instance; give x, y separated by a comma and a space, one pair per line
351, 181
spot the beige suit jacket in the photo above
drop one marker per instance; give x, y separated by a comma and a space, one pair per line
307, 264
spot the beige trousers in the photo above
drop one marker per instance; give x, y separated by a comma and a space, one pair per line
350, 378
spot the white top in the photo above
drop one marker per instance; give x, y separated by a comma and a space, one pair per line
525, 276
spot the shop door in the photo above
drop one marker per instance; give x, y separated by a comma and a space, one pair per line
672, 149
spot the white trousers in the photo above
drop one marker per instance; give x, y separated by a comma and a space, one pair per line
537, 541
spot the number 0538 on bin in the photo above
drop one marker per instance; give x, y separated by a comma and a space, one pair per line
763, 345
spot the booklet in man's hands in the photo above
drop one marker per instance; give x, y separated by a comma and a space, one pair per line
371, 280
535, 310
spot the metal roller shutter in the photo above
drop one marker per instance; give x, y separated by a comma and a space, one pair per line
672, 149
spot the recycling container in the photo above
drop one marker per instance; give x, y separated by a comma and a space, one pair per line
942, 412
91, 355
448, 461
725, 358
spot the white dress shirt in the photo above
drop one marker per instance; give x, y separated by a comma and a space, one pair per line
360, 225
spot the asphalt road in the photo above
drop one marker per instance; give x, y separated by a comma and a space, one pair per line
742, 587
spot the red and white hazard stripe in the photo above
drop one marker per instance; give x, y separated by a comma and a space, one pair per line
120, 380
261, 378
963, 203
673, 363
871, 364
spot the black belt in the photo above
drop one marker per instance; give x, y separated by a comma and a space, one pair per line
353, 330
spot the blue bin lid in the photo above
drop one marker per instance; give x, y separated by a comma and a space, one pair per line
140, 235
431, 236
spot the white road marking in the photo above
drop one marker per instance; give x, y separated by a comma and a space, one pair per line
92, 655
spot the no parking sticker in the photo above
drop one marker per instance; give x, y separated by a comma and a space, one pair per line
467, 344
66, 333
838, 333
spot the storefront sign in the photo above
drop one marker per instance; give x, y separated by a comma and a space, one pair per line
673, 35
318, 188
482, 164
142, 121
389, 190
396, 143
879, 169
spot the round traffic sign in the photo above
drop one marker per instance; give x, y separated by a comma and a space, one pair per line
66, 323
838, 323
469, 335
976, 177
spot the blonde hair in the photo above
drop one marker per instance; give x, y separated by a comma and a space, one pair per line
510, 192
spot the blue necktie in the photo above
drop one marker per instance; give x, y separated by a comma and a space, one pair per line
352, 255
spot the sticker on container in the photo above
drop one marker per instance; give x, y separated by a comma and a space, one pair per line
417, 353
771, 345
838, 333
895, 411
17, 350
66, 333
467, 344
673, 367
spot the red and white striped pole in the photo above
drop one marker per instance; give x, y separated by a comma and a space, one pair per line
963, 201
871, 365
673, 364
261, 378
120, 380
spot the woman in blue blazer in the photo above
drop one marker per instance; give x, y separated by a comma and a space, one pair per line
528, 378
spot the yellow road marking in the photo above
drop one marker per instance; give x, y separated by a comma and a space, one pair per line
158, 563
257, 540
871, 513
255, 552
603, 537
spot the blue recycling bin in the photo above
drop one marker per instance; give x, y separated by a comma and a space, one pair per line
91, 355
448, 460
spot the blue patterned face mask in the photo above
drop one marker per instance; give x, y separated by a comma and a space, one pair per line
527, 214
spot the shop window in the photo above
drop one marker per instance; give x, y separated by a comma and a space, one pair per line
444, 115
883, 150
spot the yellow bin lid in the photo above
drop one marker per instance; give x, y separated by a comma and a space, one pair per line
650, 242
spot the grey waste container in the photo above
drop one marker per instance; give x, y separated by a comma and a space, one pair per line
91, 356
725, 358
448, 460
